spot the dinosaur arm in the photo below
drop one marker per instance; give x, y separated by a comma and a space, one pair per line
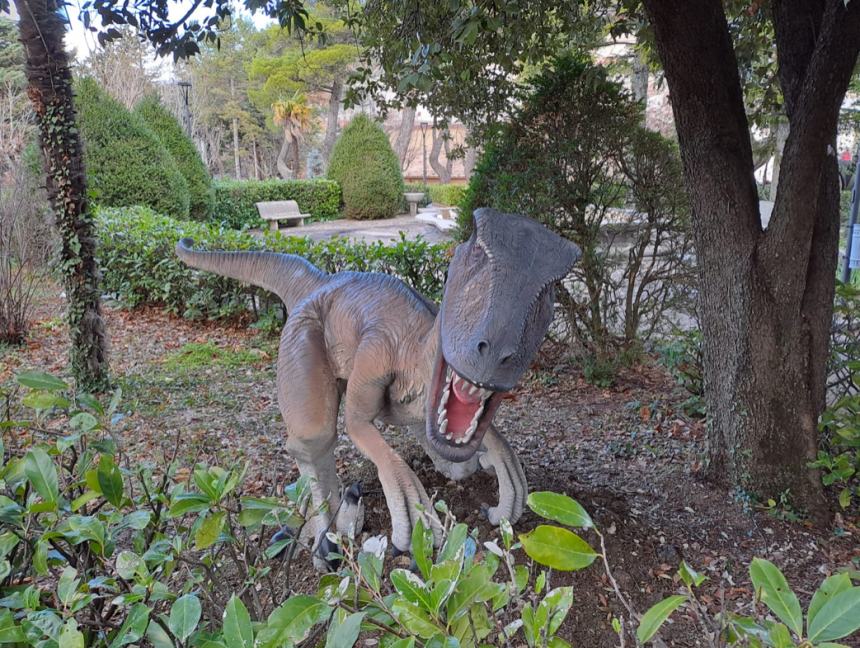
405, 495
513, 488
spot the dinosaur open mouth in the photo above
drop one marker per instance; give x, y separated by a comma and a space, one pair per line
458, 413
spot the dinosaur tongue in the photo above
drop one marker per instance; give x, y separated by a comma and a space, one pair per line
462, 407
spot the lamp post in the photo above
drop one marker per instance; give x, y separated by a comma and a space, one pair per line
185, 89
424, 125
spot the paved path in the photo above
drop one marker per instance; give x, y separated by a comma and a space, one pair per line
387, 230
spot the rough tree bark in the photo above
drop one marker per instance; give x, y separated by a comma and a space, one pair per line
765, 296
331, 121
404, 135
443, 171
236, 154
50, 89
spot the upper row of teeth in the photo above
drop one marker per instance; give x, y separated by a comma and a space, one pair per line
442, 420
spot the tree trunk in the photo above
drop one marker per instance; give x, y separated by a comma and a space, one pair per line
469, 161
443, 171
639, 80
297, 164
331, 120
766, 297
50, 90
283, 169
779, 147
236, 156
404, 135
256, 160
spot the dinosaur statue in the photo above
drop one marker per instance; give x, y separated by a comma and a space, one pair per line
396, 358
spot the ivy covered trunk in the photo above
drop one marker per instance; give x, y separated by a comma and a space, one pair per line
50, 89
766, 294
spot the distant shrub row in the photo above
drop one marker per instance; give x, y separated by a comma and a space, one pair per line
449, 195
136, 253
235, 200
140, 157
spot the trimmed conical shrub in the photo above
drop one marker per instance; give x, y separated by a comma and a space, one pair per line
183, 151
368, 171
125, 161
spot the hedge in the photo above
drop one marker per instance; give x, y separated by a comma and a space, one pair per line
449, 195
234, 199
139, 265
367, 170
182, 150
126, 163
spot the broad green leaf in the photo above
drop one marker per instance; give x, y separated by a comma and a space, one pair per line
127, 564
83, 421
42, 400
158, 636
292, 621
344, 635
209, 530
110, 480
837, 618
414, 618
656, 616
409, 642
560, 508
830, 587
136, 520
70, 636
776, 594
454, 542
184, 616
133, 628
67, 586
238, 632
411, 587
42, 473
557, 604
558, 548
188, 503
779, 636
689, 576
40, 380
422, 547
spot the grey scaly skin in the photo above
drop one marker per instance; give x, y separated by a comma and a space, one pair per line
395, 358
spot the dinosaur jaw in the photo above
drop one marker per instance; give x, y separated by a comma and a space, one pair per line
458, 412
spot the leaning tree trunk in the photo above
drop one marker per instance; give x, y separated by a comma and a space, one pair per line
766, 296
404, 134
296, 158
283, 169
50, 90
331, 120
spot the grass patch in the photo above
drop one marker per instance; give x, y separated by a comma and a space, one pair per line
195, 355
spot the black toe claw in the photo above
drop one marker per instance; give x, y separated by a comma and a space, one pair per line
396, 553
353, 493
324, 550
485, 510
284, 533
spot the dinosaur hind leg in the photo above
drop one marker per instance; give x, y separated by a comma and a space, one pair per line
309, 398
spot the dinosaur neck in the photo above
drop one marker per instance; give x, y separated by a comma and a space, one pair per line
429, 348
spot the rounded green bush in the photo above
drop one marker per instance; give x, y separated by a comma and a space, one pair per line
126, 163
368, 171
183, 151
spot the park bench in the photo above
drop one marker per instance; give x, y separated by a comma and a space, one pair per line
276, 211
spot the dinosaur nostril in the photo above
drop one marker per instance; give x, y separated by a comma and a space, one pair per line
483, 346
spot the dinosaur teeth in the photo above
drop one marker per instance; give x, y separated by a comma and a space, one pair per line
473, 389
443, 426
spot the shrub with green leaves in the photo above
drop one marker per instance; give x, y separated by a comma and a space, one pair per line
449, 195
182, 150
235, 200
100, 551
126, 163
140, 266
367, 170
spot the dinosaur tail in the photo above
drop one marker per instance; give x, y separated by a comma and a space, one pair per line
290, 277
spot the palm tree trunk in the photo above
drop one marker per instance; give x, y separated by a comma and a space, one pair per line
50, 80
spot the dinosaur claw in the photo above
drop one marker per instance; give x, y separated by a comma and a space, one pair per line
396, 553
284, 533
485, 510
353, 493
324, 550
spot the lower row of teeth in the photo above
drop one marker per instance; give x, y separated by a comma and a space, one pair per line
442, 420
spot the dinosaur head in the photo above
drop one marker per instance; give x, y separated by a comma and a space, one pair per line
496, 309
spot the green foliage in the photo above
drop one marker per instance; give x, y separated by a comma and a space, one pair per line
206, 354
83, 525
574, 151
367, 170
136, 251
183, 151
126, 162
235, 200
839, 445
681, 354
449, 195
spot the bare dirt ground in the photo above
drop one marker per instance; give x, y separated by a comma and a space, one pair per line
626, 453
